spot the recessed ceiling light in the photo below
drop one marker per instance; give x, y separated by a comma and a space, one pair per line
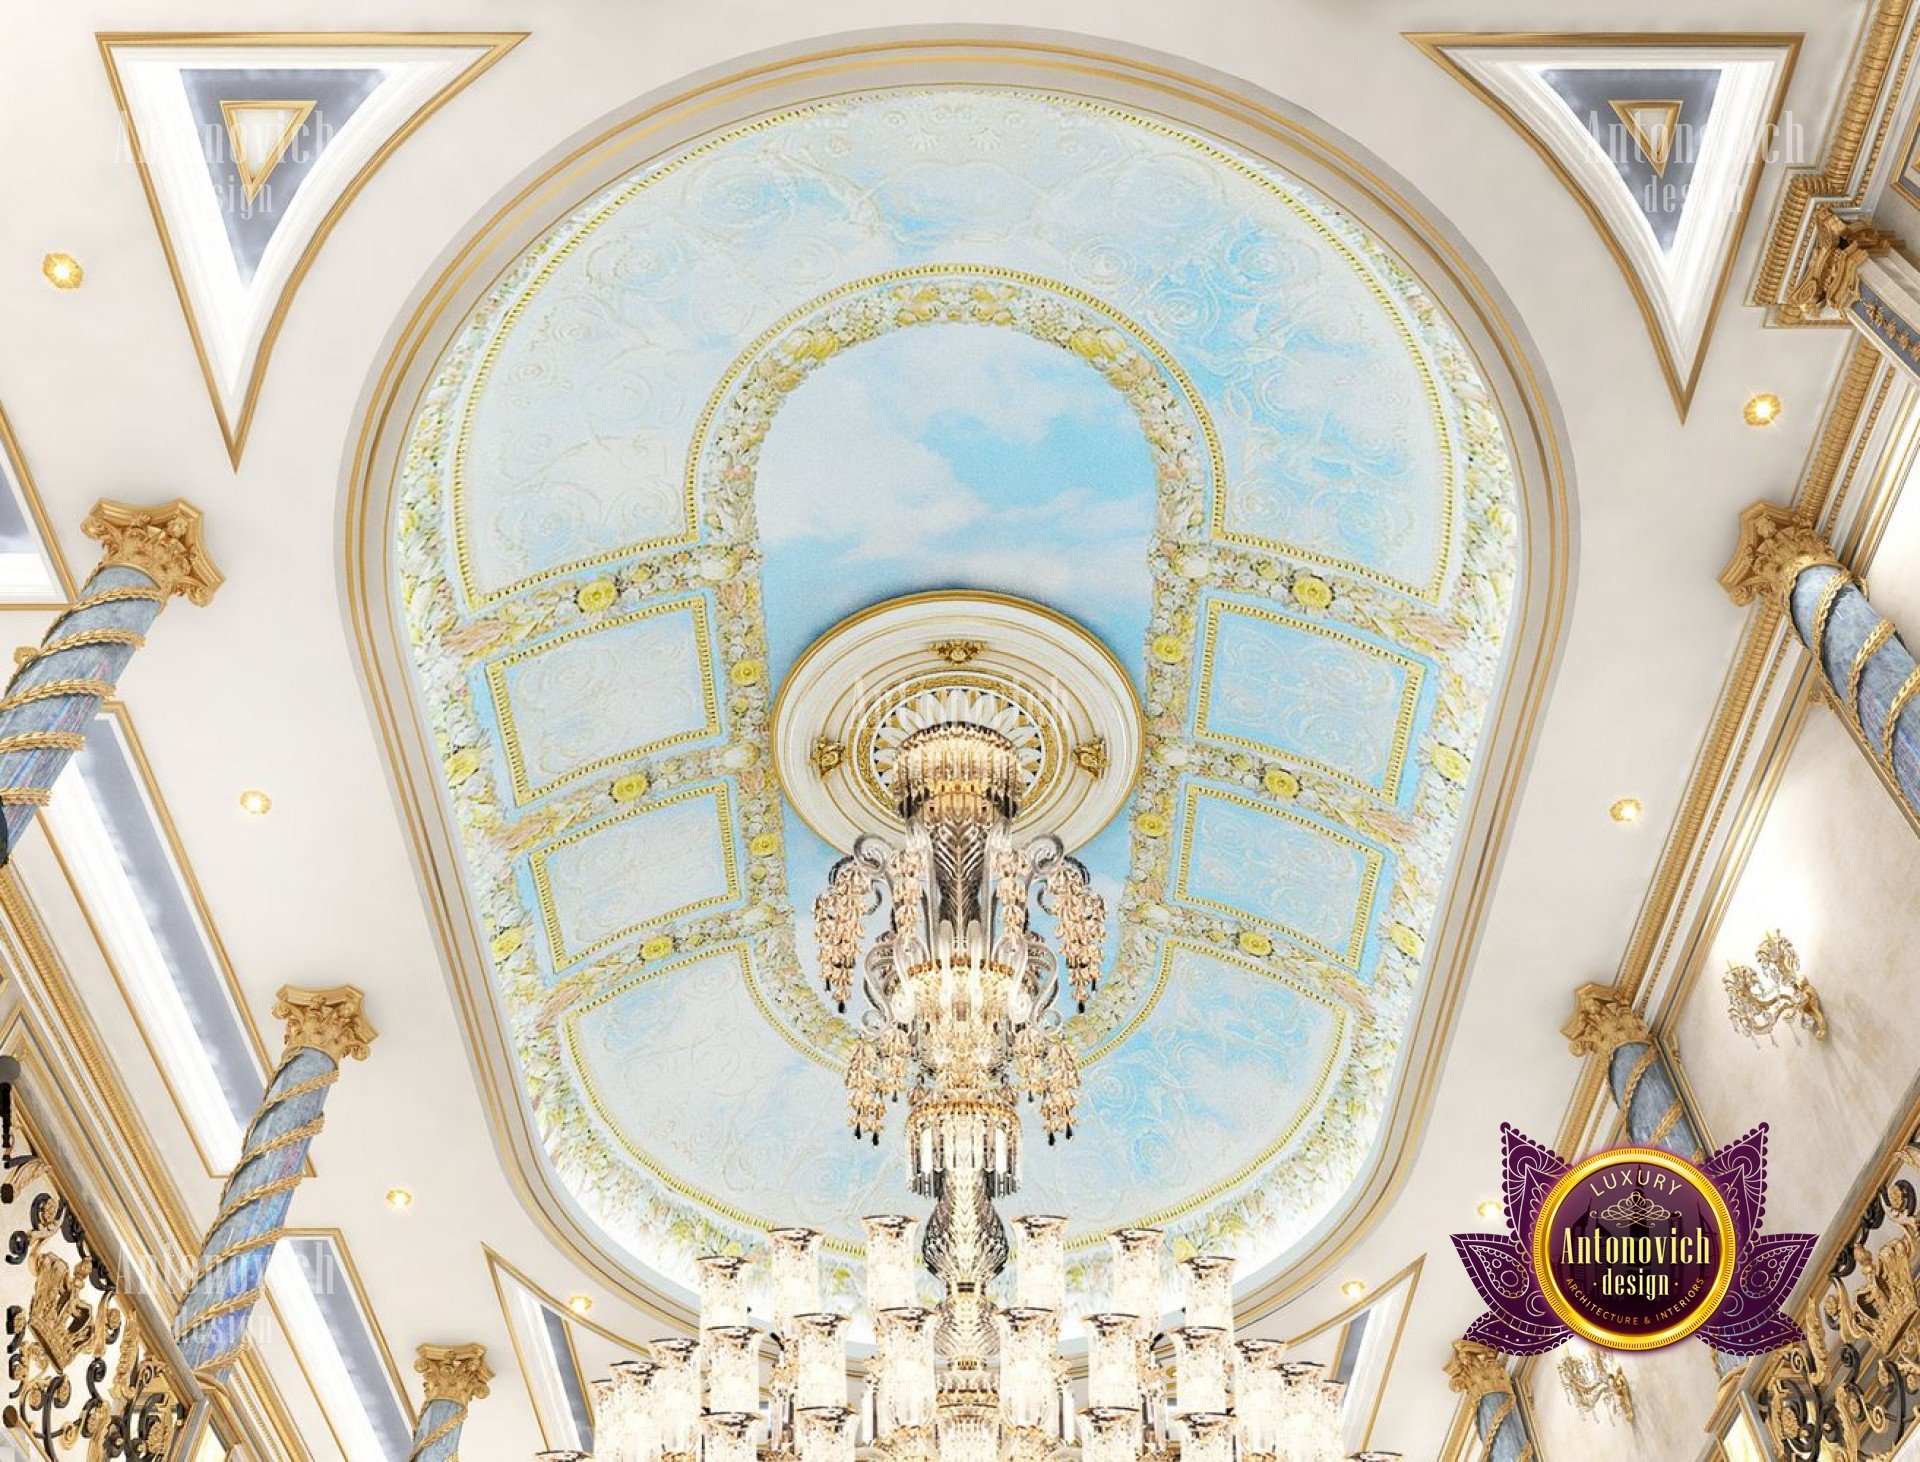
581, 1304
1627, 809
1761, 410
399, 1199
255, 801
63, 271
1354, 1288
1490, 1209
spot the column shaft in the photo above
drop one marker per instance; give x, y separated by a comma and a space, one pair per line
437, 1436
151, 555
1869, 673
324, 1027
1644, 1089
1867, 668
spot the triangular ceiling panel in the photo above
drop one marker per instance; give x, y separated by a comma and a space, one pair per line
1659, 138
251, 147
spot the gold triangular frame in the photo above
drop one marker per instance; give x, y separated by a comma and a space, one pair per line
235, 426
1657, 152
1436, 45
234, 113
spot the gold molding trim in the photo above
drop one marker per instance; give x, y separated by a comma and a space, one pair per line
254, 177
500, 685
1413, 683
176, 846
1434, 45
1408, 1275
1360, 922
1247, 118
715, 792
37, 513
365, 1302
234, 430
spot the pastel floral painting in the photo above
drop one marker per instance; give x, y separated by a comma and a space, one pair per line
982, 339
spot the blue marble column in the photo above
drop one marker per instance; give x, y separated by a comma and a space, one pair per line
151, 555
1869, 674
456, 1377
1606, 1025
324, 1028
1475, 1372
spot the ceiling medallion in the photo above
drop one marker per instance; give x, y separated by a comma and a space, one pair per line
862, 689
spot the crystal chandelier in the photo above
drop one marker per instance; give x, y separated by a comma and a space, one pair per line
962, 1022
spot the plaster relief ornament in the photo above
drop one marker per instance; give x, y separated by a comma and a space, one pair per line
1633, 1249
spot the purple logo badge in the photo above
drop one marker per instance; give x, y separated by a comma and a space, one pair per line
1634, 1248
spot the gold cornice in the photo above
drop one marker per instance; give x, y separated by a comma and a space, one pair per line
455, 1373
330, 1021
163, 542
1521, 399
234, 430
1434, 45
1834, 180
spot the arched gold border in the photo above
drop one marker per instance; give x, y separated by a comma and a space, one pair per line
1549, 1282
1220, 105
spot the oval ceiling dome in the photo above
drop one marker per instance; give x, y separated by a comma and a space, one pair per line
959, 337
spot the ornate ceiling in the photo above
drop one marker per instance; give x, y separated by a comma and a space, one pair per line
934, 339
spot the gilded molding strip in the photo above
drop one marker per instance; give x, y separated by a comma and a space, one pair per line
539, 864
48, 546
1360, 922
1413, 682
500, 684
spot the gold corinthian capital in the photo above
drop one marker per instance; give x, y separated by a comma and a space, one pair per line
1776, 545
329, 1021
162, 542
1832, 278
1475, 1371
1603, 1021
456, 1373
